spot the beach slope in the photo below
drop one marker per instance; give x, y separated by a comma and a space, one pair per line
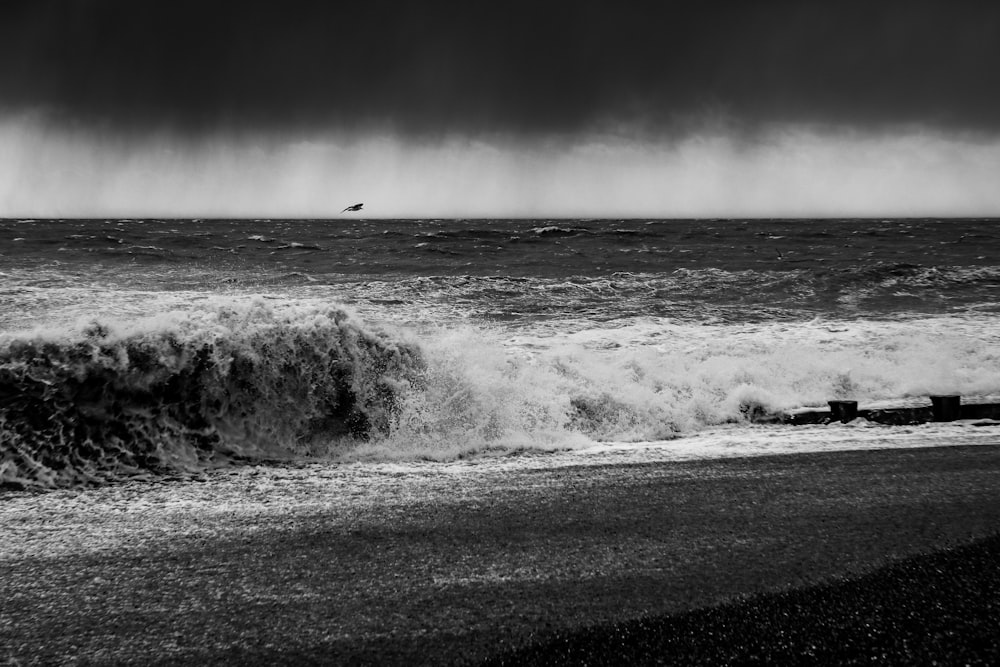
460, 562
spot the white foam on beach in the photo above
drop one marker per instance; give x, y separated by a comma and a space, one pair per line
263, 498
723, 442
769, 440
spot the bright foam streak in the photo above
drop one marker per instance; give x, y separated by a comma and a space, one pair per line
785, 173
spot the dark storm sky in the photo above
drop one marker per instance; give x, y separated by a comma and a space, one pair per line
523, 68
499, 108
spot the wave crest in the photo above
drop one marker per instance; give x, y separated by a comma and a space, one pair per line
182, 392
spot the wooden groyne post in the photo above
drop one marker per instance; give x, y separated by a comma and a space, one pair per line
946, 408
843, 411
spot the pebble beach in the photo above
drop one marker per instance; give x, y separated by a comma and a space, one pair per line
458, 563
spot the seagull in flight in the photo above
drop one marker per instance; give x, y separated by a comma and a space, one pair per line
354, 207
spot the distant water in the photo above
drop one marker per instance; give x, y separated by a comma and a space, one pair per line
135, 348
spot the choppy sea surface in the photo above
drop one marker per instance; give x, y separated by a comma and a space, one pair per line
138, 348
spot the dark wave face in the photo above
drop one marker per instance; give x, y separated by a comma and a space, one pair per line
98, 404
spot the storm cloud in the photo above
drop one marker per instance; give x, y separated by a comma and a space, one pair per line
519, 67
130, 105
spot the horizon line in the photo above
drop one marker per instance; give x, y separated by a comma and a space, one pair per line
198, 218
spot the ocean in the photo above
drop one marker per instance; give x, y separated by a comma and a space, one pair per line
146, 348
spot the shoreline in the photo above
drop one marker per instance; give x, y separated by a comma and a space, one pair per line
432, 563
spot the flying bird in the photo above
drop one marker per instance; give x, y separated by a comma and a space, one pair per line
354, 207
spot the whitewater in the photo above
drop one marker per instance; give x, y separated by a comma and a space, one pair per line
138, 349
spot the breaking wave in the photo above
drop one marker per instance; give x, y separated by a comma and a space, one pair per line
185, 391
650, 379
230, 381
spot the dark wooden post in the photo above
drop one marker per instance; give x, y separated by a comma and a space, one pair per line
946, 408
844, 411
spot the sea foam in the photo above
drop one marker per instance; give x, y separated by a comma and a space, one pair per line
650, 379
233, 379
